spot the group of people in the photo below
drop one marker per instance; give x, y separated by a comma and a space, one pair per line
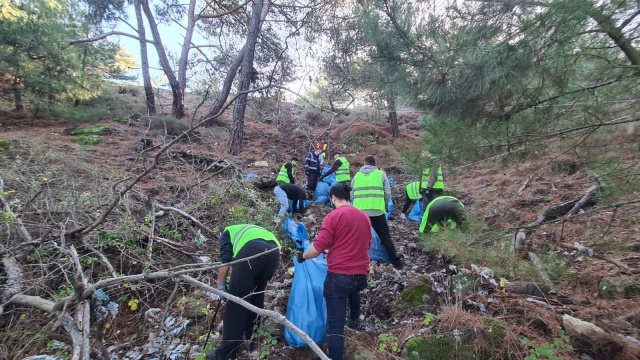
359, 204
344, 237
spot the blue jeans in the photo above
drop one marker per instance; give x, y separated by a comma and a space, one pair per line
338, 288
283, 199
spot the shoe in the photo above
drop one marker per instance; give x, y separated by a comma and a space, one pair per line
399, 265
403, 216
355, 325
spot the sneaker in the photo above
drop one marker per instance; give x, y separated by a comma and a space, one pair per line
355, 325
399, 265
403, 216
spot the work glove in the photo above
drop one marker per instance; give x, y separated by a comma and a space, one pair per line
222, 287
300, 258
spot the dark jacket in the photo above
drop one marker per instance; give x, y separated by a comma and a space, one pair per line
296, 194
312, 163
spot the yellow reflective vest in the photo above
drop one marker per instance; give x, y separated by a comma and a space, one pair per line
368, 191
283, 175
342, 173
438, 185
240, 235
413, 190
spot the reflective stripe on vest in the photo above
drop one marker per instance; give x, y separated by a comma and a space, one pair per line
368, 191
283, 175
413, 190
342, 173
241, 234
438, 185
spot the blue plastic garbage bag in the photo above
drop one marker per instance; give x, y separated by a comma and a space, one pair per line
390, 207
305, 204
297, 232
307, 308
331, 179
322, 193
391, 181
417, 212
377, 252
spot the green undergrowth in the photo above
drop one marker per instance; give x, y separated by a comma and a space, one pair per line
480, 245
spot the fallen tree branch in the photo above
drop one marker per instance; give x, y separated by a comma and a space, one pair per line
589, 251
551, 214
184, 214
17, 221
524, 185
584, 200
163, 274
14, 278
537, 264
277, 317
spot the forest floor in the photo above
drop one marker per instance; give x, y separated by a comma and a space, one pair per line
465, 300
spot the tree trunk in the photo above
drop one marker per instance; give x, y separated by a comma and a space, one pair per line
393, 115
144, 63
607, 24
259, 12
177, 108
184, 55
17, 97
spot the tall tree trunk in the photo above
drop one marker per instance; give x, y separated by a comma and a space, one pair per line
393, 115
144, 63
259, 12
186, 46
17, 96
177, 108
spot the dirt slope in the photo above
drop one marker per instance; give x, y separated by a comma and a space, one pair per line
494, 192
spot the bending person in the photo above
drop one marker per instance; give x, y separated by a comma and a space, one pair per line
442, 211
248, 281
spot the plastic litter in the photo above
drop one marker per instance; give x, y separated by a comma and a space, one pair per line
377, 252
307, 307
416, 212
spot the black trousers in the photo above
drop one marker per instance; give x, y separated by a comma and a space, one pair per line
248, 281
407, 203
312, 180
379, 224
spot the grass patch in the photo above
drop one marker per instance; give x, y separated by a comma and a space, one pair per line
479, 245
555, 267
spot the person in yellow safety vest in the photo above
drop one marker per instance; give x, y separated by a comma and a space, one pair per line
340, 167
442, 211
412, 194
287, 171
431, 181
371, 193
248, 281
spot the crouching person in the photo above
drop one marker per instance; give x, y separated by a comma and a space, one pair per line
442, 211
248, 281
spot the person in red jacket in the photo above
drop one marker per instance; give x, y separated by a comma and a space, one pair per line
346, 237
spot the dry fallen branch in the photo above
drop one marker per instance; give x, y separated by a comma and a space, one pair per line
537, 264
184, 214
584, 200
277, 317
551, 214
524, 185
589, 251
